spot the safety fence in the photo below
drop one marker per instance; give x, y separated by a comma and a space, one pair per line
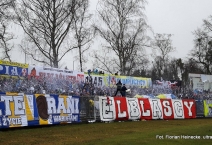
89, 109
18, 110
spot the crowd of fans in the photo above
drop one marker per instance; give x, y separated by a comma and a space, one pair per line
31, 85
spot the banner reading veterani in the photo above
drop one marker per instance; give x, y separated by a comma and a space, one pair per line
12, 111
18, 110
54, 109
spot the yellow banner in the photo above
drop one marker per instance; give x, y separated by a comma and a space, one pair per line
13, 64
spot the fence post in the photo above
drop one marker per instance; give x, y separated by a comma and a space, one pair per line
94, 110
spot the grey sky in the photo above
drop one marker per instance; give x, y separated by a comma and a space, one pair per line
180, 18
177, 17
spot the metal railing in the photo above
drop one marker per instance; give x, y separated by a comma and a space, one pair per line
89, 108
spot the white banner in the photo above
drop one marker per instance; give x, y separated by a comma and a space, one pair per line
122, 108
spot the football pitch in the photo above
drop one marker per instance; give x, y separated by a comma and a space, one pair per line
160, 132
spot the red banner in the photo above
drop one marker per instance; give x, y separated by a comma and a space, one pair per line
168, 112
121, 108
189, 108
145, 107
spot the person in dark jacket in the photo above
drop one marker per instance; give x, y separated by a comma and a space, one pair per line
119, 86
123, 89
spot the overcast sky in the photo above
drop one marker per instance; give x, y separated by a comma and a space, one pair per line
180, 18
177, 17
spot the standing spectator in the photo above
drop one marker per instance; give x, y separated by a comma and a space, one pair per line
89, 72
123, 89
119, 85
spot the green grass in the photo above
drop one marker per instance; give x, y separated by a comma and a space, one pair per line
116, 133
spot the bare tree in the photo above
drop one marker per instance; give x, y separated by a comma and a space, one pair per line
162, 47
201, 54
207, 24
83, 31
142, 69
158, 67
173, 68
123, 27
5, 36
103, 61
47, 25
202, 51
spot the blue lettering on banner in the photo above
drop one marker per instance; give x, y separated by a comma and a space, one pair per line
132, 81
126, 81
142, 83
123, 81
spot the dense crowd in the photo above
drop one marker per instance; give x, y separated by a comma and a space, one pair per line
31, 85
